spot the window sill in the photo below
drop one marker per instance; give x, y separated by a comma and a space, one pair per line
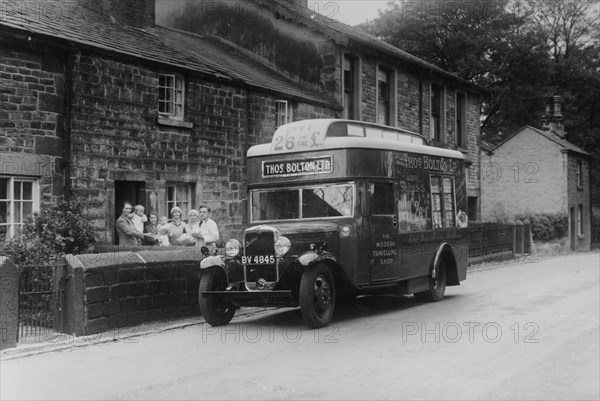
174, 123
462, 149
580, 236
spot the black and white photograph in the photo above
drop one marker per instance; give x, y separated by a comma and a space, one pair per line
300, 200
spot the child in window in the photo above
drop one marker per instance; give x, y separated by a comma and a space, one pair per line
163, 231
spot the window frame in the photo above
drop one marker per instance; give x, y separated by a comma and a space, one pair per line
8, 220
177, 100
284, 117
460, 119
579, 174
387, 105
436, 128
184, 205
351, 87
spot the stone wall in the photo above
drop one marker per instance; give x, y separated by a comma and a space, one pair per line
113, 290
9, 303
524, 175
32, 118
117, 136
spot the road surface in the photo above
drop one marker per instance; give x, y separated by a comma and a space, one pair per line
524, 331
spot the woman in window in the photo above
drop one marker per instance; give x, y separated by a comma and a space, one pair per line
177, 227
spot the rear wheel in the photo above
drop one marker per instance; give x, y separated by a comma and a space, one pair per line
437, 285
317, 296
215, 311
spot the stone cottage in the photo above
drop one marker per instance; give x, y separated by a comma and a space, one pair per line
99, 104
372, 80
539, 171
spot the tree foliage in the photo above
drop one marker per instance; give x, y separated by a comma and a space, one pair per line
523, 51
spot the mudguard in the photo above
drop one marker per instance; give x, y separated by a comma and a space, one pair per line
310, 258
438, 254
210, 261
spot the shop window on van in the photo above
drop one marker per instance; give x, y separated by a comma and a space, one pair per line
19, 199
181, 195
382, 198
283, 112
443, 210
170, 96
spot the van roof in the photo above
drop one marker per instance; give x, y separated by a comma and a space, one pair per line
314, 135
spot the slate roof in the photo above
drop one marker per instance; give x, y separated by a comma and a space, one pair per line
344, 34
199, 53
551, 135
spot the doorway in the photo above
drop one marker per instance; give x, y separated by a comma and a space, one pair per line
127, 191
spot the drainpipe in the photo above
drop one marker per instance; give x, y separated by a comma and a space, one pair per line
67, 162
421, 108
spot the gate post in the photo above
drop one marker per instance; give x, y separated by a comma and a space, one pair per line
527, 237
520, 241
9, 303
512, 224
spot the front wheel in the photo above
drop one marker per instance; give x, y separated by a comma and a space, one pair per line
215, 311
317, 296
437, 285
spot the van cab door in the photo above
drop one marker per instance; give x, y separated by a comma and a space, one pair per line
383, 228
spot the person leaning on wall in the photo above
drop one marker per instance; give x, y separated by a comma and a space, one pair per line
208, 234
178, 229
128, 234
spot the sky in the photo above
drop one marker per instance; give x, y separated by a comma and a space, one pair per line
350, 12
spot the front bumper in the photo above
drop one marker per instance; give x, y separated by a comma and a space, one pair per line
252, 298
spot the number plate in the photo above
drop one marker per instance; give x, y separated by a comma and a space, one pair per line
258, 260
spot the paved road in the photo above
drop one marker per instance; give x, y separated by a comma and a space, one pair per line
526, 331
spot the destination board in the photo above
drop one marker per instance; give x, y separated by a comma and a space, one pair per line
298, 167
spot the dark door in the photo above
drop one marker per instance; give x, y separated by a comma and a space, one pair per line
383, 223
573, 228
127, 191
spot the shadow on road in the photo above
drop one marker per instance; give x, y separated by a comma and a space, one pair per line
363, 306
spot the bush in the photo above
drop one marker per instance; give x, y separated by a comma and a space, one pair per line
547, 226
48, 236
596, 226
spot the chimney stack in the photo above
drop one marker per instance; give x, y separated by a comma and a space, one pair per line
135, 13
553, 119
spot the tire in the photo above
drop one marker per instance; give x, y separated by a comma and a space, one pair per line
215, 311
317, 296
437, 286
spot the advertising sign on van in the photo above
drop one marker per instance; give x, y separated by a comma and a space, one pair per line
292, 168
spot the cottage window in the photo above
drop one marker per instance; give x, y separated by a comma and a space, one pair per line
19, 199
436, 112
461, 118
181, 195
350, 84
442, 201
283, 112
170, 96
384, 96
579, 174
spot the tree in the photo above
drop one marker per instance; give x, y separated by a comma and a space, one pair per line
483, 42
